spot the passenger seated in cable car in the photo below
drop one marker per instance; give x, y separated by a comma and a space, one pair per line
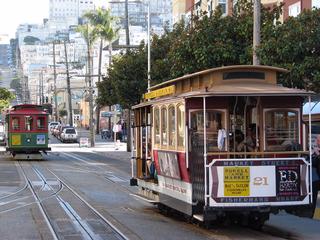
247, 143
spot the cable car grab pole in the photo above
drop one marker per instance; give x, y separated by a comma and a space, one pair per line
310, 149
149, 49
205, 150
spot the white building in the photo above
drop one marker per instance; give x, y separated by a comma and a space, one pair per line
63, 13
160, 12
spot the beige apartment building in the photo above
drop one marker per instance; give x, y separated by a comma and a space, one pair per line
183, 9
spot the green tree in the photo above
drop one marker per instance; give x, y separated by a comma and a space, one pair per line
127, 79
5, 98
103, 23
208, 42
295, 46
89, 34
63, 113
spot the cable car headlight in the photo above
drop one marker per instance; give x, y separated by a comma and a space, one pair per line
28, 140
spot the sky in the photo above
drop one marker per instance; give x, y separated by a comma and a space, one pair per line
15, 12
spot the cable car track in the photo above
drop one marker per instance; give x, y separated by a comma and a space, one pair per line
90, 169
64, 197
40, 205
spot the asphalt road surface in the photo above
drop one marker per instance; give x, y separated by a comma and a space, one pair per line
84, 193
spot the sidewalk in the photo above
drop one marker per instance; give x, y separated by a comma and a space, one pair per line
99, 147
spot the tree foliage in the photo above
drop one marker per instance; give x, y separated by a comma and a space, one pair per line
214, 41
5, 98
126, 80
104, 23
295, 46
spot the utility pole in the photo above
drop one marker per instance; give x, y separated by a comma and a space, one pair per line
92, 135
256, 30
127, 24
55, 82
70, 115
128, 120
90, 93
99, 78
40, 88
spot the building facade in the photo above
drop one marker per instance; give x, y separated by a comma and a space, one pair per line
184, 9
181, 9
293, 8
68, 12
160, 12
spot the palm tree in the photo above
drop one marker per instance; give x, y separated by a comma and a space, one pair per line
103, 22
90, 35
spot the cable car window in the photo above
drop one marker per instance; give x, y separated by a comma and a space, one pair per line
281, 130
28, 123
41, 123
156, 126
243, 75
164, 136
15, 123
172, 126
214, 123
180, 124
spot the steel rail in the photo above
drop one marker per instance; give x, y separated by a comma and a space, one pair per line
16, 192
116, 230
41, 208
85, 233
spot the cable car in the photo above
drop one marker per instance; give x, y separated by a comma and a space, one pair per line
27, 131
221, 143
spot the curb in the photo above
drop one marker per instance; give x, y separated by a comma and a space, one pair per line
316, 214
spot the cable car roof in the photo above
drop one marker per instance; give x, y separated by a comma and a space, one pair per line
263, 68
246, 88
27, 109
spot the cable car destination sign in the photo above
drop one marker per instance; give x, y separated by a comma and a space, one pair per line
160, 92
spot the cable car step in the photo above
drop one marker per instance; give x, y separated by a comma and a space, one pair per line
151, 199
199, 217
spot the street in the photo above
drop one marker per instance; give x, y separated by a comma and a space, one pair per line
84, 193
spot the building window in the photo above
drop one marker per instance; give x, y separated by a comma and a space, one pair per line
315, 3
295, 9
223, 4
281, 129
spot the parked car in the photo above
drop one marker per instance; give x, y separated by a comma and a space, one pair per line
55, 131
2, 134
2, 138
69, 134
52, 125
60, 130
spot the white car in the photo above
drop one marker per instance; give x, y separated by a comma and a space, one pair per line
52, 125
69, 135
